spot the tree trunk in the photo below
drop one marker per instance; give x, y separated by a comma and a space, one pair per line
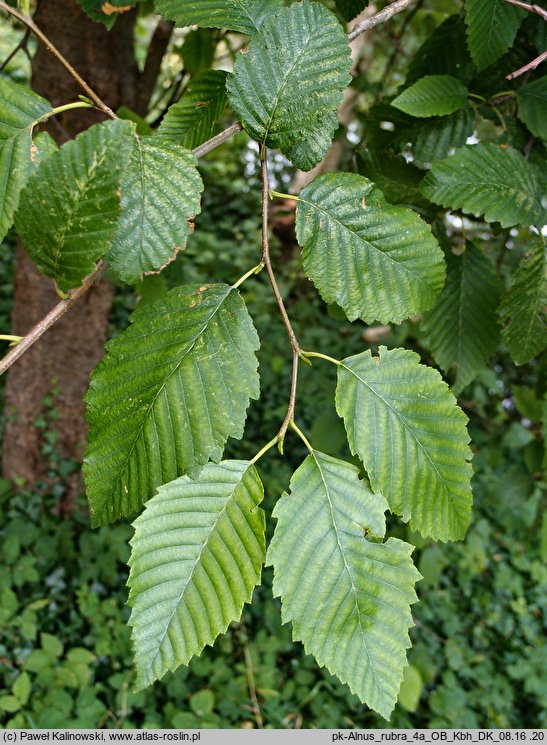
67, 353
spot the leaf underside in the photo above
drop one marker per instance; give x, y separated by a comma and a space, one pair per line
432, 95
462, 326
160, 195
404, 424
245, 16
292, 75
19, 109
191, 121
69, 211
169, 392
347, 594
377, 261
197, 554
523, 309
487, 180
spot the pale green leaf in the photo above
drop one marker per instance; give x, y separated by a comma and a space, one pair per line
432, 95
197, 555
169, 392
523, 308
20, 108
411, 688
292, 75
245, 16
22, 687
347, 594
306, 154
191, 121
490, 181
532, 106
69, 210
404, 423
348, 9
462, 326
160, 195
377, 261
491, 29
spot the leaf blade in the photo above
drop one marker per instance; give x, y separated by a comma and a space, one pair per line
491, 29
160, 196
170, 391
280, 96
419, 455
432, 95
69, 210
377, 261
532, 106
348, 596
490, 181
245, 16
187, 588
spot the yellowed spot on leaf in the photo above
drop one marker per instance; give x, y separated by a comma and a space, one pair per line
363, 203
33, 152
109, 9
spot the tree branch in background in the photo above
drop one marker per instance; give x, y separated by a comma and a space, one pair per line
530, 66
21, 46
381, 17
532, 8
29, 23
156, 50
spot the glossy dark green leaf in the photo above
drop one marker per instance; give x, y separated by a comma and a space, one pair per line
491, 29
432, 95
237, 15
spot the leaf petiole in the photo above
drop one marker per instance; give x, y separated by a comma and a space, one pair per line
255, 270
265, 449
305, 355
13, 339
65, 107
281, 195
301, 435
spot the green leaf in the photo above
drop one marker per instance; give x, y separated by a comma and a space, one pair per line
191, 121
522, 310
161, 190
532, 106
462, 326
198, 50
20, 108
403, 422
443, 53
22, 687
347, 594
378, 262
69, 211
411, 688
170, 391
196, 556
433, 95
348, 9
306, 154
292, 75
245, 16
490, 181
491, 29
398, 180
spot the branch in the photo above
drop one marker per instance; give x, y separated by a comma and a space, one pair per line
381, 17
217, 140
22, 45
29, 23
531, 8
52, 317
530, 66
292, 336
156, 49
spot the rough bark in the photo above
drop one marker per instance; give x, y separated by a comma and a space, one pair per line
68, 352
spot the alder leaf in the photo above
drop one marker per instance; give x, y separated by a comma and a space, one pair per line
197, 554
462, 326
169, 392
69, 210
523, 309
348, 9
160, 196
191, 121
432, 95
490, 181
377, 261
292, 75
404, 424
306, 154
245, 16
347, 594
444, 52
491, 29
532, 106
20, 108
